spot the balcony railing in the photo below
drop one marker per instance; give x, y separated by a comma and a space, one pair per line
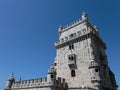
68, 38
71, 62
93, 64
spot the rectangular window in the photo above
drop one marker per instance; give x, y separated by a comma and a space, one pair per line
71, 46
72, 57
55, 64
96, 70
51, 76
72, 73
71, 35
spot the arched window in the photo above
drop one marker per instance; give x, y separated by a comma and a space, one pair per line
72, 57
71, 46
72, 73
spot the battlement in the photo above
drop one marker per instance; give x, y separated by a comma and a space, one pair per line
39, 82
75, 23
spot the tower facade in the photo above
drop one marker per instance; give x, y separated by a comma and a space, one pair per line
80, 63
81, 57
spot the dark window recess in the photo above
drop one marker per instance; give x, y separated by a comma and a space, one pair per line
71, 35
73, 73
71, 46
52, 76
72, 57
96, 70
55, 64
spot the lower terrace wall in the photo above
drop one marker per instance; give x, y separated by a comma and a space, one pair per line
33, 84
35, 88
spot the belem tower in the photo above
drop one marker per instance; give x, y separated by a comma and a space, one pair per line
80, 63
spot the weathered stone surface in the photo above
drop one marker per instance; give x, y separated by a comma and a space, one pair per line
80, 62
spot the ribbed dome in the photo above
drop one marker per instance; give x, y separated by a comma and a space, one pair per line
11, 78
52, 69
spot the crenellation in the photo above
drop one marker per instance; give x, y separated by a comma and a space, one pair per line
67, 27
30, 83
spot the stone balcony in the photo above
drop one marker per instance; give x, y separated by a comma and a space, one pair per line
72, 63
93, 64
96, 82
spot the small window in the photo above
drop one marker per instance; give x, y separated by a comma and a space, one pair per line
71, 46
55, 64
96, 70
52, 76
73, 73
72, 57
72, 35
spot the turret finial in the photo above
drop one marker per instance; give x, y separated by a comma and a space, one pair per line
84, 16
60, 30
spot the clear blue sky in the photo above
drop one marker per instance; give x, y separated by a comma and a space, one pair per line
28, 30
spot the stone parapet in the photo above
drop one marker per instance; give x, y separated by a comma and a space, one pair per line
39, 82
75, 23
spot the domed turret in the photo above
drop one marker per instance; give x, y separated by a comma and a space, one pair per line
84, 16
11, 78
51, 74
10, 81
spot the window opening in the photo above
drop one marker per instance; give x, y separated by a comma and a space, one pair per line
96, 70
71, 35
71, 46
51, 76
55, 64
72, 57
73, 73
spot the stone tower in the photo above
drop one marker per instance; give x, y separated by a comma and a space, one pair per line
81, 59
80, 63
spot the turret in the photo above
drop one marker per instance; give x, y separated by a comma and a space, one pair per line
10, 81
84, 16
95, 74
60, 30
51, 75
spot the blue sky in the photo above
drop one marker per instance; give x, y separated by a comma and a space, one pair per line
29, 28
